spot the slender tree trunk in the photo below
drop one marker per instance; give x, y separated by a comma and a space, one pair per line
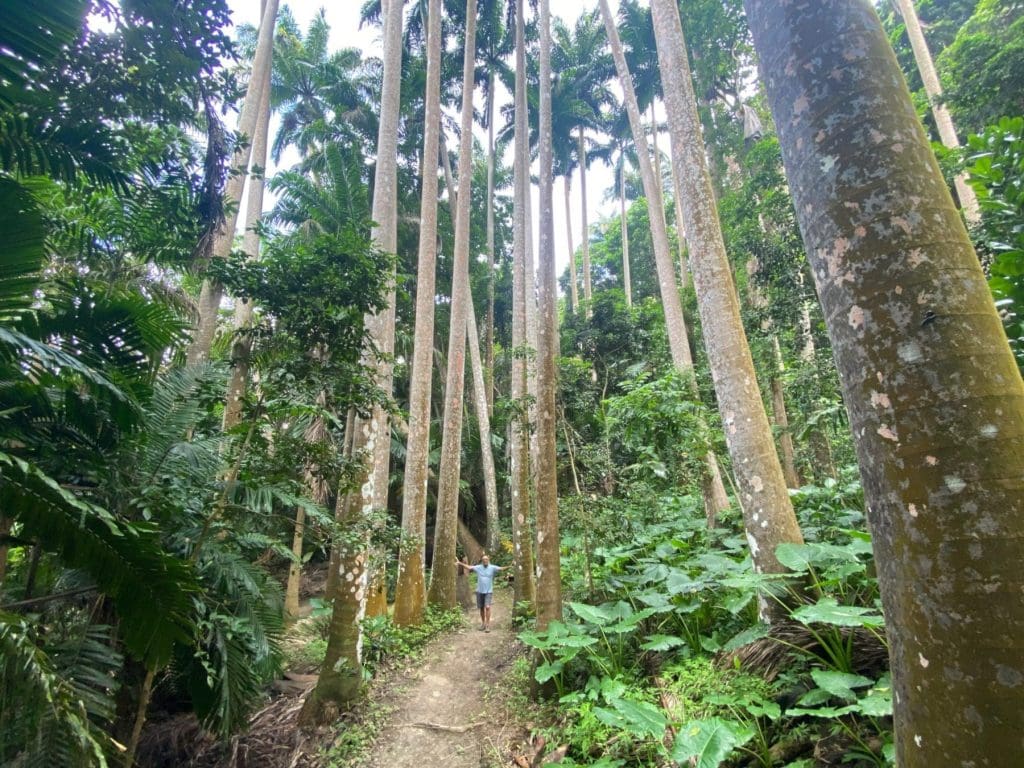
684, 274
410, 593
627, 283
768, 513
943, 120
519, 480
574, 295
5, 529
781, 419
442, 572
145, 693
549, 572
585, 235
715, 498
292, 587
489, 323
340, 682
315, 434
484, 422
657, 155
212, 291
241, 347
935, 397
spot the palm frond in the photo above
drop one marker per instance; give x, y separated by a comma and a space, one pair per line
149, 587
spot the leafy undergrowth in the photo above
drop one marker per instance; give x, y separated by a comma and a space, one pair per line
667, 661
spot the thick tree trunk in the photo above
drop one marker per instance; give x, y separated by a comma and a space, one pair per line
341, 676
410, 594
339, 682
519, 480
585, 234
943, 120
935, 398
627, 282
574, 294
211, 292
484, 423
442, 572
675, 323
768, 513
241, 347
549, 572
334, 563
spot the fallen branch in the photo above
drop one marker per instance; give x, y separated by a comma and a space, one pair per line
445, 728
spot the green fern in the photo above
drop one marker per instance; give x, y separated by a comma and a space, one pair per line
149, 588
44, 719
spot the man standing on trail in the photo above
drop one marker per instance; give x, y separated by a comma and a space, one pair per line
485, 573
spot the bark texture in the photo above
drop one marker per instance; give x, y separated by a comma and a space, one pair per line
522, 539
549, 573
767, 511
935, 399
212, 291
410, 592
442, 572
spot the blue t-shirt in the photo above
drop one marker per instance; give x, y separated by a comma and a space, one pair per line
485, 578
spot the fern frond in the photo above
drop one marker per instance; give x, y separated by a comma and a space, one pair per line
42, 720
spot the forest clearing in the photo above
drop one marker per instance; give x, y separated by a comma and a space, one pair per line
330, 436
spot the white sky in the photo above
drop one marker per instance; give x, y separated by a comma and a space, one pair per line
343, 17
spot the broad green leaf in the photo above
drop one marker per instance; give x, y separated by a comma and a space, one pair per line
823, 711
592, 613
828, 611
639, 718
709, 741
545, 672
839, 684
662, 642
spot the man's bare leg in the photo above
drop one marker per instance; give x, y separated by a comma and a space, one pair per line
487, 614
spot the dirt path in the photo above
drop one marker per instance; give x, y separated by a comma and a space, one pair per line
447, 713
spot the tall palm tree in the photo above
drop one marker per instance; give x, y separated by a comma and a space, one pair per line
715, 499
241, 347
549, 575
339, 682
494, 44
943, 120
442, 574
934, 395
619, 152
522, 291
583, 67
768, 512
212, 291
410, 592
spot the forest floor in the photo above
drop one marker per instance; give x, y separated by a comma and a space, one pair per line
448, 704
448, 710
